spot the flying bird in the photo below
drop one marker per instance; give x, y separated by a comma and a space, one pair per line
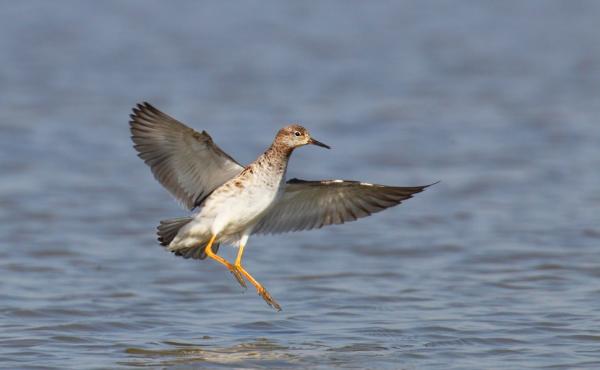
232, 202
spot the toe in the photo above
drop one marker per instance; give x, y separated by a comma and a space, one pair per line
238, 276
270, 301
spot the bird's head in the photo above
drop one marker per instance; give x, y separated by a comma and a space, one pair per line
293, 136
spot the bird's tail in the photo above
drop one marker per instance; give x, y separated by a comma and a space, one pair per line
168, 229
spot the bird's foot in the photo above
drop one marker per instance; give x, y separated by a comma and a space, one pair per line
267, 297
259, 288
238, 276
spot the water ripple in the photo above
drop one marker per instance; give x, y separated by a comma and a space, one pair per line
496, 267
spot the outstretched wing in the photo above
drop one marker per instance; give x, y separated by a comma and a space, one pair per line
313, 204
187, 163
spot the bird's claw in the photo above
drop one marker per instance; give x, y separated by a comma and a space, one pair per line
237, 271
238, 276
267, 297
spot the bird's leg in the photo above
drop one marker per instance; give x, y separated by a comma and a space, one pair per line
259, 288
236, 273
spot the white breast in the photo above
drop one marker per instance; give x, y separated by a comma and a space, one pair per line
238, 208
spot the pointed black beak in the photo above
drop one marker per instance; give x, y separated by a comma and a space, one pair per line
318, 143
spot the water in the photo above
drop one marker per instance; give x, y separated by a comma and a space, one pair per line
496, 267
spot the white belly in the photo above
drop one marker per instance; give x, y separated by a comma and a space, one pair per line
233, 210
238, 213
227, 216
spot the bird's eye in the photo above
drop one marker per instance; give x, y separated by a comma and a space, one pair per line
297, 133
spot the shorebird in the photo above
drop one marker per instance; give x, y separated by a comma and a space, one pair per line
232, 202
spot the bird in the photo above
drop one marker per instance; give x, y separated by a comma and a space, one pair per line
230, 202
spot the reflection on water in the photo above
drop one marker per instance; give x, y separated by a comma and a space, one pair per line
494, 267
178, 353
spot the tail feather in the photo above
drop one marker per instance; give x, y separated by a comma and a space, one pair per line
168, 229
196, 253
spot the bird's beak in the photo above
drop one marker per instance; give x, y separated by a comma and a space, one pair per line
318, 143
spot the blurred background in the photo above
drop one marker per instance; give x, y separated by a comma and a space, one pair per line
495, 267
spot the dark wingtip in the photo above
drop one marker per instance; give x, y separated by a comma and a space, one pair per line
433, 183
148, 106
140, 107
137, 110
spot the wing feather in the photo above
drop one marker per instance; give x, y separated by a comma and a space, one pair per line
187, 163
313, 204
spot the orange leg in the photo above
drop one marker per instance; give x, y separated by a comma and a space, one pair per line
233, 269
259, 288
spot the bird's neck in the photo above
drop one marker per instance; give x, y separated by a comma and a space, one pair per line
275, 160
